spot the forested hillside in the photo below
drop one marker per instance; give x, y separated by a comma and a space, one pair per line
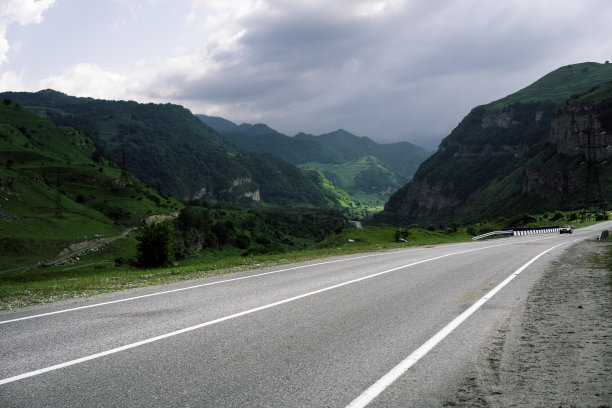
173, 151
57, 186
522, 153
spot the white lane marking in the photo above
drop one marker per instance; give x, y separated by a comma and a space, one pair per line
385, 381
222, 319
192, 287
228, 280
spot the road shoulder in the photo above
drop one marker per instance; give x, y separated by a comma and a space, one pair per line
556, 349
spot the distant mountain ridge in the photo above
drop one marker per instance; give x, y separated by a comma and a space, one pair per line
394, 163
402, 157
519, 154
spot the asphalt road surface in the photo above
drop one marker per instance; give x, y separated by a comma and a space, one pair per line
389, 329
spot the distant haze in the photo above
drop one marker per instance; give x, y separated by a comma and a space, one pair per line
388, 69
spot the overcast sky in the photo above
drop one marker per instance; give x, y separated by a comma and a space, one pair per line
388, 69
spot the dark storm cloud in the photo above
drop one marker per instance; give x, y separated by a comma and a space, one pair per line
411, 74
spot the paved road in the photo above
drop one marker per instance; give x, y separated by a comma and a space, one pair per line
316, 334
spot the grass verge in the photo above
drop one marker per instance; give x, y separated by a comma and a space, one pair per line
96, 272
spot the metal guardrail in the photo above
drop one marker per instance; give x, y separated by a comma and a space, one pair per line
534, 231
494, 234
510, 232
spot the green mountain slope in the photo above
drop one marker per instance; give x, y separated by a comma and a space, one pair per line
368, 171
164, 145
168, 148
519, 154
365, 179
56, 187
402, 157
560, 84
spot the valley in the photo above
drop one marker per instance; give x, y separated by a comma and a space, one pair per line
78, 170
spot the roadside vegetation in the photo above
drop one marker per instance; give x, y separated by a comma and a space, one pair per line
108, 269
215, 241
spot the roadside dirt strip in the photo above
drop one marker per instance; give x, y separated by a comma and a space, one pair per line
554, 351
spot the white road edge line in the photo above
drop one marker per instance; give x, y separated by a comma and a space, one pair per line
188, 288
222, 319
73, 309
396, 372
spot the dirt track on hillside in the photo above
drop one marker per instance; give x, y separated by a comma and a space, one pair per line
556, 350
80, 248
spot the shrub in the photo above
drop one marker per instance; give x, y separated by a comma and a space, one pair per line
487, 228
472, 230
155, 245
243, 241
520, 220
402, 234
557, 216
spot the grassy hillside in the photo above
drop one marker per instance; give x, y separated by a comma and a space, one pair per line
560, 84
57, 187
365, 179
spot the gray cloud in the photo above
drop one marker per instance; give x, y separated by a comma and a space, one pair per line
411, 72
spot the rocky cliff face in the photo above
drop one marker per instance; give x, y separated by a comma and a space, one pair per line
499, 159
522, 153
574, 127
570, 127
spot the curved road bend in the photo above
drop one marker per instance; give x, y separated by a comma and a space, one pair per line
378, 330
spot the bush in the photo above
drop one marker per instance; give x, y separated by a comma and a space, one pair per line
558, 216
402, 234
155, 245
519, 221
486, 228
243, 241
472, 230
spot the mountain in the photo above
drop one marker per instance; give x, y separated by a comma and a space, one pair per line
366, 179
260, 137
522, 153
219, 124
336, 155
168, 147
57, 186
402, 157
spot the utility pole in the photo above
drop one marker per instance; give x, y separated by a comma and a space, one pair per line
593, 196
124, 174
58, 196
58, 192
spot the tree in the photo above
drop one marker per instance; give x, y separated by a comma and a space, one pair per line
155, 245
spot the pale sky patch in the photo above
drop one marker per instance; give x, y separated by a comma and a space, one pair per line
388, 69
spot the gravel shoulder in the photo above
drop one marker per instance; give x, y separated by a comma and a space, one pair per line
556, 349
